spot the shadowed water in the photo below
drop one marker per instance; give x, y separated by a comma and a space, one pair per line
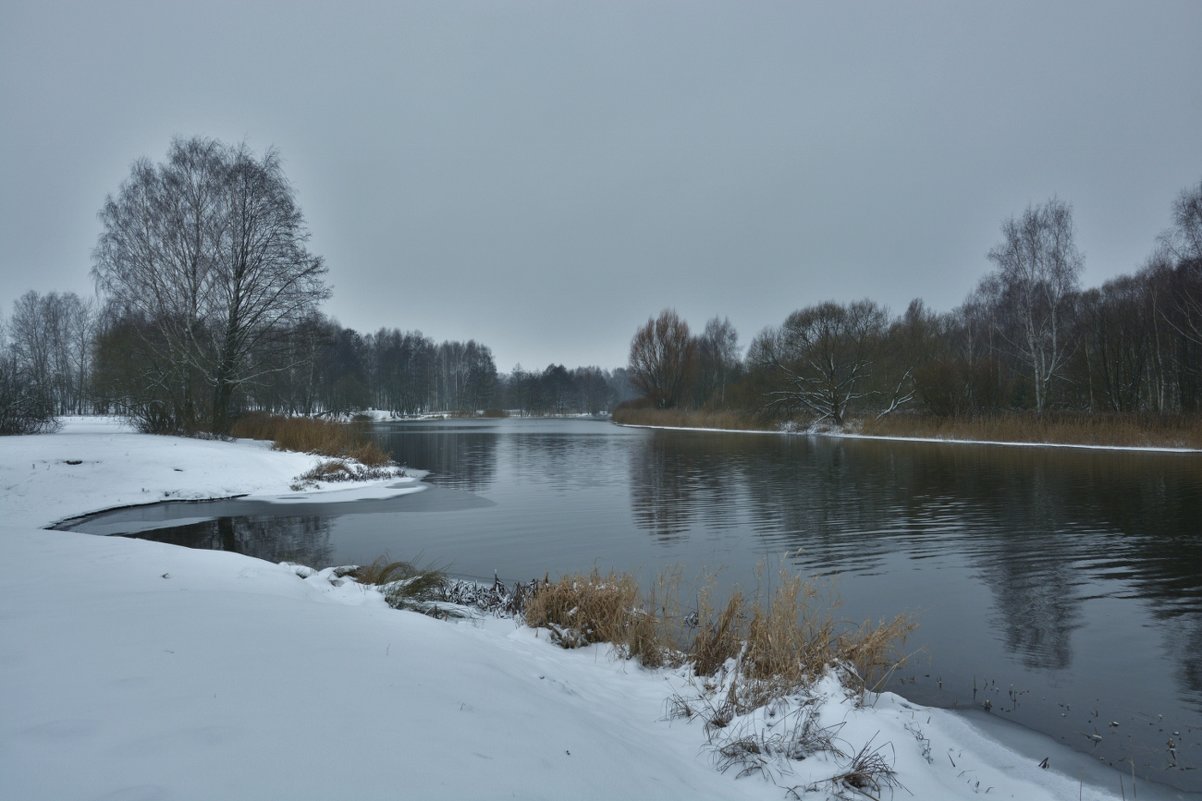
1063, 586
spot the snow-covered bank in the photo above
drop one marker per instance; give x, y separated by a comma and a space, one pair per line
97, 463
938, 440
138, 670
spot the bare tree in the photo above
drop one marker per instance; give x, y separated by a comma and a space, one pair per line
717, 359
822, 357
1183, 243
24, 408
209, 249
51, 347
1038, 270
661, 356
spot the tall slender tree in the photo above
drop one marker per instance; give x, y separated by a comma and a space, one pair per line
1038, 272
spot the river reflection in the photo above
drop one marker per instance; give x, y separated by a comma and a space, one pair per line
303, 540
1066, 583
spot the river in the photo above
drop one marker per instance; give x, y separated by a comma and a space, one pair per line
1063, 586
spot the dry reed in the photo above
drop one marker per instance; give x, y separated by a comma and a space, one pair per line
685, 418
777, 646
580, 610
1069, 428
311, 435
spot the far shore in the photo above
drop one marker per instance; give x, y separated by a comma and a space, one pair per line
935, 440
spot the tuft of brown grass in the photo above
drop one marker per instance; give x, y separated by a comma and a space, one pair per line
580, 610
868, 772
871, 650
788, 641
778, 646
402, 583
311, 435
718, 639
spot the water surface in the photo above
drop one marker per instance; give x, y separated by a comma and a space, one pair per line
1063, 586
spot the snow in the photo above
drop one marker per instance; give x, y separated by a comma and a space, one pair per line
97, 463
138, 670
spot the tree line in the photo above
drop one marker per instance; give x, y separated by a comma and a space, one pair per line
209, 306
1027, 338
61, 355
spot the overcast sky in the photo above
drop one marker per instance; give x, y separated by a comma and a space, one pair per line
544, 176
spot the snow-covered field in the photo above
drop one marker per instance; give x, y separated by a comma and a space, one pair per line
137, 670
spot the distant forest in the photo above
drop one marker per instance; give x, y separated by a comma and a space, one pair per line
209, 307
63, 355
1028, 339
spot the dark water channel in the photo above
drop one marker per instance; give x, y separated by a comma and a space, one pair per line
1063, 586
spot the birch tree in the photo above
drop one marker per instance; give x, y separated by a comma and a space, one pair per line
1038, 272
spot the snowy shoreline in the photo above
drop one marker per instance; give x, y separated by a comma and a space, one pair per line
933, 440
132, 668
100, 464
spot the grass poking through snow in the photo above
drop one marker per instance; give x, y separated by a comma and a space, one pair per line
403, 584
756, 663
785, 642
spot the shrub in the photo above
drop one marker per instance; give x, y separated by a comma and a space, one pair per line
23, 409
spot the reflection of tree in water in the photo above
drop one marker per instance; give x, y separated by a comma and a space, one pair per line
1034, 522
1042, 524
458, 456
684, 481
821, 506
1037, 607
305, 540
1043, 529
659, 489
561, 461
1030, 564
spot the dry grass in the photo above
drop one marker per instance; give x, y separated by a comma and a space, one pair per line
580, 610
1053, 427
778, 646
402, 583
868, 772
789, 640
719, 638
683, 418
311, 435
761, 656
